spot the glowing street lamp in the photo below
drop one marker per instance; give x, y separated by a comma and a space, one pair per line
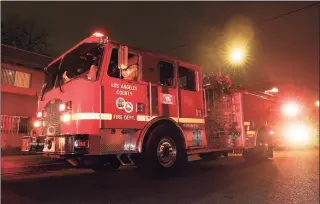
317, 103
237, 56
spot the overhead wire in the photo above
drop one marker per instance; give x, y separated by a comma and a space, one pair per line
258, 23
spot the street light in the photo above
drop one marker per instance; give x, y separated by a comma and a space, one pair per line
237, 56
317, 103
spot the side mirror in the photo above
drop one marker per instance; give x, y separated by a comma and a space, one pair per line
123, 57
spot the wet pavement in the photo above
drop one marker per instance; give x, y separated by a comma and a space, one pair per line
22, 164
291, 177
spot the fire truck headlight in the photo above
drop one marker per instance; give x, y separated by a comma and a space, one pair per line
39, 114
65, 106
66, 118
36, 124
62, 107
298, 134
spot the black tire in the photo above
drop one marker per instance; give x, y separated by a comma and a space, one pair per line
110, 166
262, 151
161, 138
248, 155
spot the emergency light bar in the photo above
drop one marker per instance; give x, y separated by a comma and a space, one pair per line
97, 34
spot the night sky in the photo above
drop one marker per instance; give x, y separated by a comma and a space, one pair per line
282, 51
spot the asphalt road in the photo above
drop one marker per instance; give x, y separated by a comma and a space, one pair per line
291, 177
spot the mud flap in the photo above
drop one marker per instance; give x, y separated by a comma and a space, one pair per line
270, 152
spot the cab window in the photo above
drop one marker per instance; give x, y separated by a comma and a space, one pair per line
166, 72
187, 79
131, 73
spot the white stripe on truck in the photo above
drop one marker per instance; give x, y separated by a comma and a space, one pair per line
140, 118
145, 118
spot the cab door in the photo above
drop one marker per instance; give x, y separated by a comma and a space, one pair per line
123, 96
164, 92
191, 105
190, 95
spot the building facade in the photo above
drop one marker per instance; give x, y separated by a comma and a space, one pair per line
22, 77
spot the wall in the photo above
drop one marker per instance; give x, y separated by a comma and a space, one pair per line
18, 105
16, 101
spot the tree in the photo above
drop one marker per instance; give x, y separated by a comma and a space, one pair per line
24, 34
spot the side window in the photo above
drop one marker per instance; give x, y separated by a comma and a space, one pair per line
15, 78
187, 79
166, 73
149, 71
131, 73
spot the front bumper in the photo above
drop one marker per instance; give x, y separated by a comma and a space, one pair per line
66, 144
32, 144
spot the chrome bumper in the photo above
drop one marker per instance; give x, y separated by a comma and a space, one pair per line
32, 144
66, 144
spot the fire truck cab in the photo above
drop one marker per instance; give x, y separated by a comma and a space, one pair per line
105, 104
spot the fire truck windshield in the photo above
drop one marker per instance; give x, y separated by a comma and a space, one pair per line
83, 61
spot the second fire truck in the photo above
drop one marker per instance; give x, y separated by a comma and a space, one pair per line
105, 104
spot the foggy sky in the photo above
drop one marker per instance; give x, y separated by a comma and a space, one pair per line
283, 51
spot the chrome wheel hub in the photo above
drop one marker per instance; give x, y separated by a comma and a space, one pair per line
166, 152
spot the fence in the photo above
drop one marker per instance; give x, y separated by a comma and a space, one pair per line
15, 124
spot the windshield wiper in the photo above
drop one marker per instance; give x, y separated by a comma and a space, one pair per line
59, 82
44, 86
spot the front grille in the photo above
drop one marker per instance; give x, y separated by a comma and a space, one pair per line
52, 118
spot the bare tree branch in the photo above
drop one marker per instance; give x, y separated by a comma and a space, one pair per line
24, 34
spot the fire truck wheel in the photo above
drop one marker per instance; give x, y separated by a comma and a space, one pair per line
113, 165
164, 154
261, 151
247, 154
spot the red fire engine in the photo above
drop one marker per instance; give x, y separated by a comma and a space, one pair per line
105, 104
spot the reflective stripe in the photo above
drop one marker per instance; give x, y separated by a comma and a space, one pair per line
246, 123
141, 118
145, 118
91, 116
251, 132
191, 120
